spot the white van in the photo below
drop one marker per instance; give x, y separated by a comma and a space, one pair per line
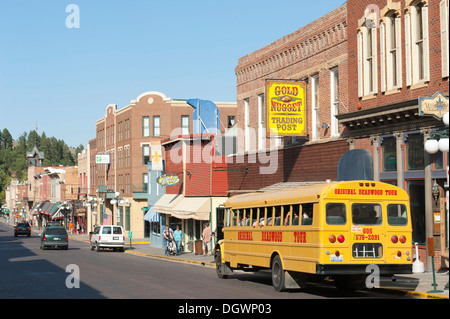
108, 236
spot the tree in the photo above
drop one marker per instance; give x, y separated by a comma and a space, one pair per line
7, 140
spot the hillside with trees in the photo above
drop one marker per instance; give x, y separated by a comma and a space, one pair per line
13, 155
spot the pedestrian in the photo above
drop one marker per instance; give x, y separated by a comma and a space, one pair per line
78, 228
71, 227
167, 238
206, 240
178, 237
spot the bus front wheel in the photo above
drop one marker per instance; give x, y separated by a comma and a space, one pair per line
278, 276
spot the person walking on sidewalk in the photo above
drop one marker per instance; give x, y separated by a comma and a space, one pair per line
206, 240
167, 237
178, 237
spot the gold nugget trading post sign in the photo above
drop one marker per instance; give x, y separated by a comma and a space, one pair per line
286, 108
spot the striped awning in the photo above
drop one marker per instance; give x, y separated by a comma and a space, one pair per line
152, 216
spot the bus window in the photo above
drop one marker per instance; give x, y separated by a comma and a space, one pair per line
262, 212
366, 214
295, 214
336, 214
269, 216
227, 218
307, 214
277, 216
247, 217
235, 219
397, 215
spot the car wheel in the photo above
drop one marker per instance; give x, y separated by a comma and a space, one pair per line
97, 248
92, 247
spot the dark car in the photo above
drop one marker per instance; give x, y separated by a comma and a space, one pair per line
55, 237
22, 229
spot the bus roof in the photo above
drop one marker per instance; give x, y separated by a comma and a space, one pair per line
361, 190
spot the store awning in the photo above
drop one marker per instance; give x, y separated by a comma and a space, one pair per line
192, 208
151, 216
46, 208
58, 214
167, 202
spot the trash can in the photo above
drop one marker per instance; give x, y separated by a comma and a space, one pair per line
198, 247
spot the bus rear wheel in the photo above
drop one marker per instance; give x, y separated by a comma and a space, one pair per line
278, 276
220, 267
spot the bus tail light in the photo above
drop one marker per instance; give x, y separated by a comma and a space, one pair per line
399, 254
337, 253
394, 239
332, 239
341, 238
402, 239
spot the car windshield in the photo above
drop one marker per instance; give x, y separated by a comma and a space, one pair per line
56, 231
24, 225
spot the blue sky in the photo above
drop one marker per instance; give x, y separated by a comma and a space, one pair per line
63, 79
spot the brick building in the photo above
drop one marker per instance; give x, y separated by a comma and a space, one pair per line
398, 52
125, 135
317, 55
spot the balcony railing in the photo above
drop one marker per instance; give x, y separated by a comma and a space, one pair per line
140, 191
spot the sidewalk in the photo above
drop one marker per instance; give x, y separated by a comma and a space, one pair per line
417, 284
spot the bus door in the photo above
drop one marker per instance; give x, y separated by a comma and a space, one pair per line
367, 231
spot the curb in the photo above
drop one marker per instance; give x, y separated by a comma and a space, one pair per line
422, 295
203, 263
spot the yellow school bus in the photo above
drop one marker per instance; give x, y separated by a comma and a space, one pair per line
333, 230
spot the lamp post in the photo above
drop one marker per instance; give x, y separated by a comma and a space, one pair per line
91, 203
439, 142
115, 202
65, 207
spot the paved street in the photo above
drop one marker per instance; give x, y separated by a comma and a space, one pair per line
29, 272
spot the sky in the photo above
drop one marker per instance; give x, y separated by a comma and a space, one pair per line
60, 78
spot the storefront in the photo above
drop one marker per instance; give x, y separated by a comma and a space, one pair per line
397, 134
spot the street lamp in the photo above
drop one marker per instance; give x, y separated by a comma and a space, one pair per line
439, 142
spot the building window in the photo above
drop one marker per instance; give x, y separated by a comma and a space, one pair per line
145, 182
231, 120
389, 149
145, 154
367, 61
415, 152
247, 124
145, 126
444, 37
393, 54
417, 44
334, 101
184, 124
261, 128
156, 126
315, 107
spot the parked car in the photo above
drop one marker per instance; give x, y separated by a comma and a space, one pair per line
108, 236
55, 237
22, 229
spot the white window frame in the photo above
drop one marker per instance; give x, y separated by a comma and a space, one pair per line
370, 61
261, 123
247, 125
315, 105
390, 49
414, 43
334, 102
443, 7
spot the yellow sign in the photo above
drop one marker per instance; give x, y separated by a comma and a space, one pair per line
286, 108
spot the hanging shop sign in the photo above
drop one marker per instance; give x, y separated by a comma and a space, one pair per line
436, 105
168, 180
286, 108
